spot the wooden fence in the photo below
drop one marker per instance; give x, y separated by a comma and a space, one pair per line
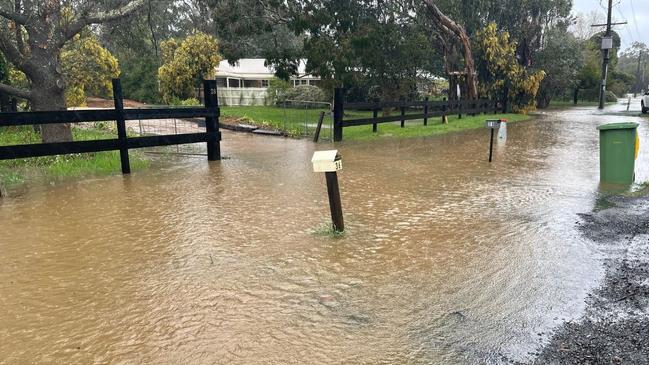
210, 111
423, 110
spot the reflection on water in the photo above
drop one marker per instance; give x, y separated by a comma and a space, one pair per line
447, 258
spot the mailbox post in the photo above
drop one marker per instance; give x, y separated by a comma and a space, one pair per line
492, 124
330, 162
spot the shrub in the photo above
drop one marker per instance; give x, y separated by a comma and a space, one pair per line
276, 90
611, 97
306, 93
187, 102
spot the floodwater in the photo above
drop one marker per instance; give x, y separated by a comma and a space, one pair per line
447, 258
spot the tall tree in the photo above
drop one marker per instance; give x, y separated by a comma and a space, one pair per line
561, 58
186, 64
32, 34
260, 28
633, 61
452, 30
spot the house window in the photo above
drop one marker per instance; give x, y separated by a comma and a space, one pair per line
221, 82
264, 83
304, 82
234, 83
251, 83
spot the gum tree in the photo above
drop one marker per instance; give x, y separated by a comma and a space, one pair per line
32, 35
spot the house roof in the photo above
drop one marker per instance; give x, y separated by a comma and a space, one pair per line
254, 68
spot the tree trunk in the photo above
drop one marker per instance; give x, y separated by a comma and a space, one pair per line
4, 102
469, 67
451, 29
575, 96
47, 86
50, 99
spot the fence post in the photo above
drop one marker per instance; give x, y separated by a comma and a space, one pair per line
375, 114
211, 101
339, 106
318, 127
118, 99
403, 111
444, 107
426, 111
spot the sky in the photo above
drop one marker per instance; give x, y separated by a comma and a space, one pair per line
636, 12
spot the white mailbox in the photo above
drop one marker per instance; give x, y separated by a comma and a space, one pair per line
327, 161
492, 123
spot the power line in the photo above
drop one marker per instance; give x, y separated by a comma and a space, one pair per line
626, 25
635, 21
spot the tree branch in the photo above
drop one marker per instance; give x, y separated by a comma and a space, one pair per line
100, 17
14, 16
19, 32
24, 94
9, 49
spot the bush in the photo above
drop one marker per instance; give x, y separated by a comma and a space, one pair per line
276, 90
611, 97
305, 93
187, 102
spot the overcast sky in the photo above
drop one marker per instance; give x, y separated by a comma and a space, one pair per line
636, 12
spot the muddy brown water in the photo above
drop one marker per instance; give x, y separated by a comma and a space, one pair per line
447, 259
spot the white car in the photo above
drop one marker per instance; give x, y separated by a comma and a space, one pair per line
645, 103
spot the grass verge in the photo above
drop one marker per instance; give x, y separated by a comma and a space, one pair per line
293, 121
16, 172
415, 128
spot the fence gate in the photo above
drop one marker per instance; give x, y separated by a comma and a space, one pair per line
301, 118
173, 126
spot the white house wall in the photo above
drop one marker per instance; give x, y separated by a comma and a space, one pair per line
242, 96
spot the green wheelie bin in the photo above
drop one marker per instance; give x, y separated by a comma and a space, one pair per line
618, 150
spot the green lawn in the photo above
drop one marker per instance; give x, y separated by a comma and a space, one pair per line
15, 172
294, 121
415, 128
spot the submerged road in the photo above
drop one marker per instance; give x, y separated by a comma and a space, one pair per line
447, 258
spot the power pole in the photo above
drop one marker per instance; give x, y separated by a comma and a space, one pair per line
607, 56
638, 80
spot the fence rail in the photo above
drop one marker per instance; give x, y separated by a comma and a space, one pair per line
408, 110
210, 111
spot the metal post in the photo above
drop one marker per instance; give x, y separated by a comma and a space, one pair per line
118, 99
212, 122
491, 145
334, 201
318, 128
339, 96
426, 111
607, 55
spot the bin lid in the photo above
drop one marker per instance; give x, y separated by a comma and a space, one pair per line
618, 126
